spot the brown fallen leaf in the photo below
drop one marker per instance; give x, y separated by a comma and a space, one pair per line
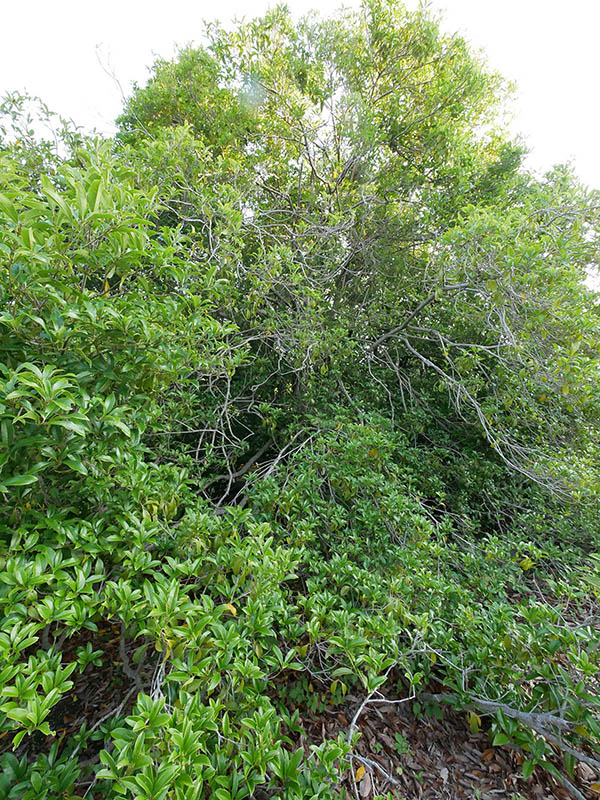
365, 785
488, 754
585, 772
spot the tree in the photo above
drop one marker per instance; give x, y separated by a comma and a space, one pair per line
373, 217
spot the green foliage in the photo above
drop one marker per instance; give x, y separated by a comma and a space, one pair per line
298, 405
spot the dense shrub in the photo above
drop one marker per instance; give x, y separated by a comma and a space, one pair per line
298, 377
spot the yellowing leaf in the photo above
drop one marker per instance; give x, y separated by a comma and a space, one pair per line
526, 564
231, 608
595, 787
474, 722
359, 773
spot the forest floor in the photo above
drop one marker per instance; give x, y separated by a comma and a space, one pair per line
426, 758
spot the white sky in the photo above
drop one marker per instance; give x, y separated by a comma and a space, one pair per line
549, 47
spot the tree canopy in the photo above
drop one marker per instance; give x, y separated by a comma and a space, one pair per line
298, 398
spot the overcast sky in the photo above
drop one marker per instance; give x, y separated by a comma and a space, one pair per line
56, 48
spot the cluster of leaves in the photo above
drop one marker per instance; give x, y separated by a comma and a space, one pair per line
298, 376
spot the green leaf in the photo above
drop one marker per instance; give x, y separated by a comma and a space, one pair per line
9, 208
76, 464
528, 768
20, 480
71, 425
18, 714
